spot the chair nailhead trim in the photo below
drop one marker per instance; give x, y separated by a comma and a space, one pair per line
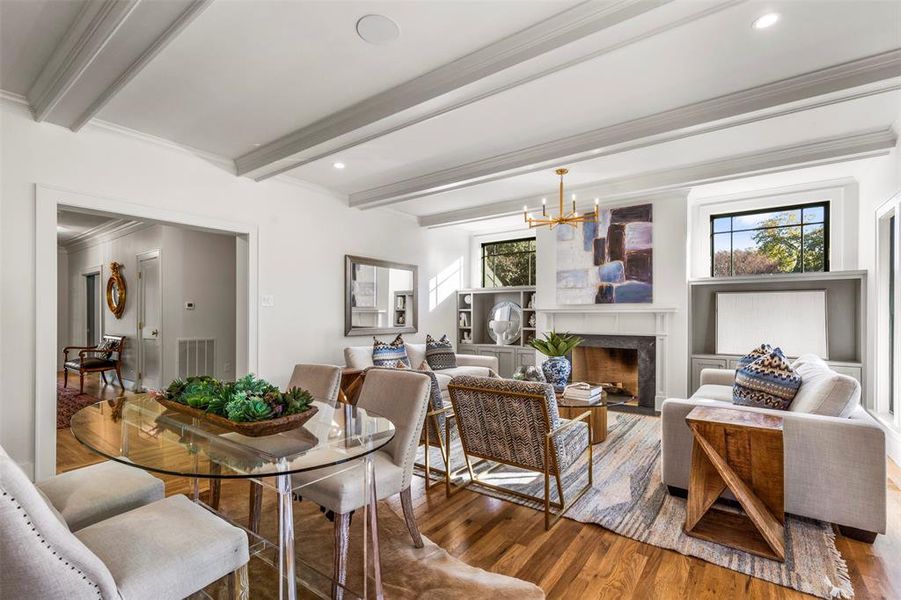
48, 546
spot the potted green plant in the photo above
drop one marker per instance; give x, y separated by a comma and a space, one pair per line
556, 346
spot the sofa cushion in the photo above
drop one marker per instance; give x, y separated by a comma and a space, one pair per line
358, 357
768, 382
823, 391
440, 353
711, 391
758, 352
392, 355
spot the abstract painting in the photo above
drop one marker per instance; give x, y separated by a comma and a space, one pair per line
607, 262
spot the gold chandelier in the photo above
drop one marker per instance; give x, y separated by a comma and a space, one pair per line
570, 218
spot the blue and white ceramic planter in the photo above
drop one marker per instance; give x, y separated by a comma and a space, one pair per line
556, 371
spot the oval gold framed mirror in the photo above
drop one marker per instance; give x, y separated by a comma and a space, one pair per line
115, 291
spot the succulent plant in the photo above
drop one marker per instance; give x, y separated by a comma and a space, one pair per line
556, 344
296, 400
248, 399
248, 408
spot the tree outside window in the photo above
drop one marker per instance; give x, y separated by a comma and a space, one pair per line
793, 239
508, 263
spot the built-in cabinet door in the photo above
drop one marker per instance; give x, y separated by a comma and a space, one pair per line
699, 364
525, 357
506, 358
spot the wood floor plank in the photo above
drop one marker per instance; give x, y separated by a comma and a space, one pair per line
582, 561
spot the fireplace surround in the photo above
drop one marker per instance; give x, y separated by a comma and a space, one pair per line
629, 360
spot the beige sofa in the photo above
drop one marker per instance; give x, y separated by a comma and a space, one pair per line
835, 465
360, 357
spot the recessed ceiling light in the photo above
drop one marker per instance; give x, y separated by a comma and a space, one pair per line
338, 165
767, 20
377, 29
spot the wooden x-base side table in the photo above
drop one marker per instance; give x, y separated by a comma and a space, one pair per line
742, 451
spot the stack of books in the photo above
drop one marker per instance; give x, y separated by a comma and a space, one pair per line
583, 393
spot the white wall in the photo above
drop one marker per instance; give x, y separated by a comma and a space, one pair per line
670, 278
195, 265
62, 306
304, 234
879, 184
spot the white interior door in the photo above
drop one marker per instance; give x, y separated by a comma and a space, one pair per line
149, 322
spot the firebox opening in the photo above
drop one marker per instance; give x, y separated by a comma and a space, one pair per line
614, 368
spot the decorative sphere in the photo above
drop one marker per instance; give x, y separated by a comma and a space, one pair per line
527, 373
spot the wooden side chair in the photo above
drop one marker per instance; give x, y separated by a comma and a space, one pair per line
517, 423
105, 356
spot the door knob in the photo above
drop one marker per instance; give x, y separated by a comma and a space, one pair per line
155, 332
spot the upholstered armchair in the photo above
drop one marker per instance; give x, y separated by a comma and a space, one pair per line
165, 550
105, 356
401, 396
323, 382
517, 423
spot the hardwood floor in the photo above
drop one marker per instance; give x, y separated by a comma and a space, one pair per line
582, 561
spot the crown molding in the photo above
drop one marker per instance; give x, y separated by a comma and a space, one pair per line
94, 26
102, 51
584, 19
103, 233
771, 160
195, 7
848, 81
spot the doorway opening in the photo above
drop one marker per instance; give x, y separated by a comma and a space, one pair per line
131, 293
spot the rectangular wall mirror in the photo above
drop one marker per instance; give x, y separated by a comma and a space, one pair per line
380, 297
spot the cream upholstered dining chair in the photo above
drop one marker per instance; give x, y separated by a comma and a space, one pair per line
517, 423
323, 382
402, 397
165, 550
90, 494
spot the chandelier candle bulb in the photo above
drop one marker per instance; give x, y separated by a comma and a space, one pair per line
571, 219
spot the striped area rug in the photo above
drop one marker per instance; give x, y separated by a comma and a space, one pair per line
629, 498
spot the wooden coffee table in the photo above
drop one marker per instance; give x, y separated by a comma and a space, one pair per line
742, 451
571, 410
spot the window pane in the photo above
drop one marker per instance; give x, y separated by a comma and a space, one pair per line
721, 255
814, 248
814, 214
766, 219
722, 224
767, 251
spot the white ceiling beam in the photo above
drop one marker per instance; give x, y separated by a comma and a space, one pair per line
729, 110
771, 160
573, 24
107, 46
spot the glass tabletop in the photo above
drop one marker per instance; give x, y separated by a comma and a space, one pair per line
141, 431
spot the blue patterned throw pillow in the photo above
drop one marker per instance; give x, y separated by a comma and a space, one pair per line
758, 352
393, 355
440, 354
768, 382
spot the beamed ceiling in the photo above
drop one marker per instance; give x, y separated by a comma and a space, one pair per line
464, 116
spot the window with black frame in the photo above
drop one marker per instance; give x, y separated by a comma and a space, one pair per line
788, 239
508, 263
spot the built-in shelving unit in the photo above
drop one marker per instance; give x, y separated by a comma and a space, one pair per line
846, 317
402, 308
472, 325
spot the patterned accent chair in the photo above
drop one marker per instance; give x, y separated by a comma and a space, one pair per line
105, 356
517, 423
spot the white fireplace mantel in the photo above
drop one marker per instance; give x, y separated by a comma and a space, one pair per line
613, 319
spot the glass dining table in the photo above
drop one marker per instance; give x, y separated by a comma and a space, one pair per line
140, 432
